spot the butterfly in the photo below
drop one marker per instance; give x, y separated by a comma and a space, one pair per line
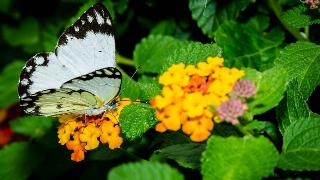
80, 76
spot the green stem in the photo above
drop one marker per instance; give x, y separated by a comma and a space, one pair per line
243, 130
123, 60
306, 31
122, 71
276, 8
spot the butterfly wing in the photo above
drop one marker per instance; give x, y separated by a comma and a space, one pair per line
84, 47
104, 83
54, 102
77, 95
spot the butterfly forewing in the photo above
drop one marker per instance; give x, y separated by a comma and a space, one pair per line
53, 84
84, 47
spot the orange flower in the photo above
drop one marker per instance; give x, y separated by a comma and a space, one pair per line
81, 133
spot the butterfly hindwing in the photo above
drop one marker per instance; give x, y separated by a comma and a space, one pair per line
53, 102
84, 47
105, 83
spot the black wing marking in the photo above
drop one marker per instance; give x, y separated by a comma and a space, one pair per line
51, 70
96, 19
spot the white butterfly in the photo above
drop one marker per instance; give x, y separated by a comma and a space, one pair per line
79, 77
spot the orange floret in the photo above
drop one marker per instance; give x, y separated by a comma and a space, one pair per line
83, 133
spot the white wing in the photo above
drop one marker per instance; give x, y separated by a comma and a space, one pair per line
84, 47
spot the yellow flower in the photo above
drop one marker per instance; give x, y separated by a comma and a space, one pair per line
82, 133
194, 104
90, 136
65, 132
215, 61
204, 69
188, 95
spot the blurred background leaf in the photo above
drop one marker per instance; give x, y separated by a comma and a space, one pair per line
9, 79
33, 126
18, 160
144, 170
210, 14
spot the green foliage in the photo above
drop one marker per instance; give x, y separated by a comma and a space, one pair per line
292, 108
301, 16
18, 160
258, 127
211, 14
170, 27
151, 53
192, 53
301, 147
143, 90
186, 155
247, 45
270, 90
33, 126
136, 119
238, 158
27, 33
143, 171
9, 79
301, 61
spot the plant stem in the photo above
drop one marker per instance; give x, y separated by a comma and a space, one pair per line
243, 130
276, 8
123, 60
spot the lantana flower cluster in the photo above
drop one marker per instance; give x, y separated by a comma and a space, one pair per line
194, 97
83, 133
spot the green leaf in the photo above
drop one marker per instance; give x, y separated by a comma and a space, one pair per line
210, 14
301, 146
144, 171
121, 6
9, 79
301, 61
170, 28
19, 160
165, 27
33, 126
186, 155
192, 53
270, 90
149, 88
143, 91
136, 119
130, 88
238, 158
246, 45
292, 108
301, 16
257, 127
49, 36
27, 33
260, 23
152, 52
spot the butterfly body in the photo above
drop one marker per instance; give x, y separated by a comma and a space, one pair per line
79, 77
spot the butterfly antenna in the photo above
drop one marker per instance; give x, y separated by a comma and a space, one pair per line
131, 77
